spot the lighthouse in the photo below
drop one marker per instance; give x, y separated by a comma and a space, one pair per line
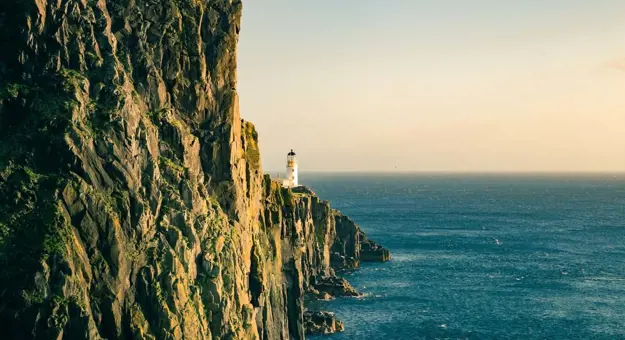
291, 171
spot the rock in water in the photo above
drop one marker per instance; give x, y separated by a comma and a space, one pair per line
334, 286
132, 197
373, 252
322, 323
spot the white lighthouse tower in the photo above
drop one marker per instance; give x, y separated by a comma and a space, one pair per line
291, 171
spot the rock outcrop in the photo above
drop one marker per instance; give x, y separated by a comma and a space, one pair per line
352, 246
322, 323
334, 286
373, 252
132, 198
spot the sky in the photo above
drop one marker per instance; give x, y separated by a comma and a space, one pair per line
436, 85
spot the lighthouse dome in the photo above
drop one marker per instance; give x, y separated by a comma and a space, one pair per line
292, 153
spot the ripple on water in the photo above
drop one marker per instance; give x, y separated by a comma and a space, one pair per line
558, 271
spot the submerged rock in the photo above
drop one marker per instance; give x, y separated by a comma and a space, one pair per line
321, 322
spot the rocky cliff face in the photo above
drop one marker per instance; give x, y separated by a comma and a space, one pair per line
132, 199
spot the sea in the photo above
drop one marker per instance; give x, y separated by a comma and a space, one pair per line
484, 256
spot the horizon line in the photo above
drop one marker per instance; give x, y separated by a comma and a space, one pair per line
486, 172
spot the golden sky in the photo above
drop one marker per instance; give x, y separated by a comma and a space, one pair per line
436, 86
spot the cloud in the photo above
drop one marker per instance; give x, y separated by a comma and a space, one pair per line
617, 64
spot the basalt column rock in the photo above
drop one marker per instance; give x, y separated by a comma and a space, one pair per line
132, 197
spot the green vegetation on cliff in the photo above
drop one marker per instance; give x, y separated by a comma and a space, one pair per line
132, 198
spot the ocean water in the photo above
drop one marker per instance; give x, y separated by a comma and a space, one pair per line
485, 256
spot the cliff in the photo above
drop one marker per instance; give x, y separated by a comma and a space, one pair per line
132, 198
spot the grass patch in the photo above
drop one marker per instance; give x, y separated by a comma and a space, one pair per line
170, 164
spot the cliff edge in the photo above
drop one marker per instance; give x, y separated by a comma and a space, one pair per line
132, 199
